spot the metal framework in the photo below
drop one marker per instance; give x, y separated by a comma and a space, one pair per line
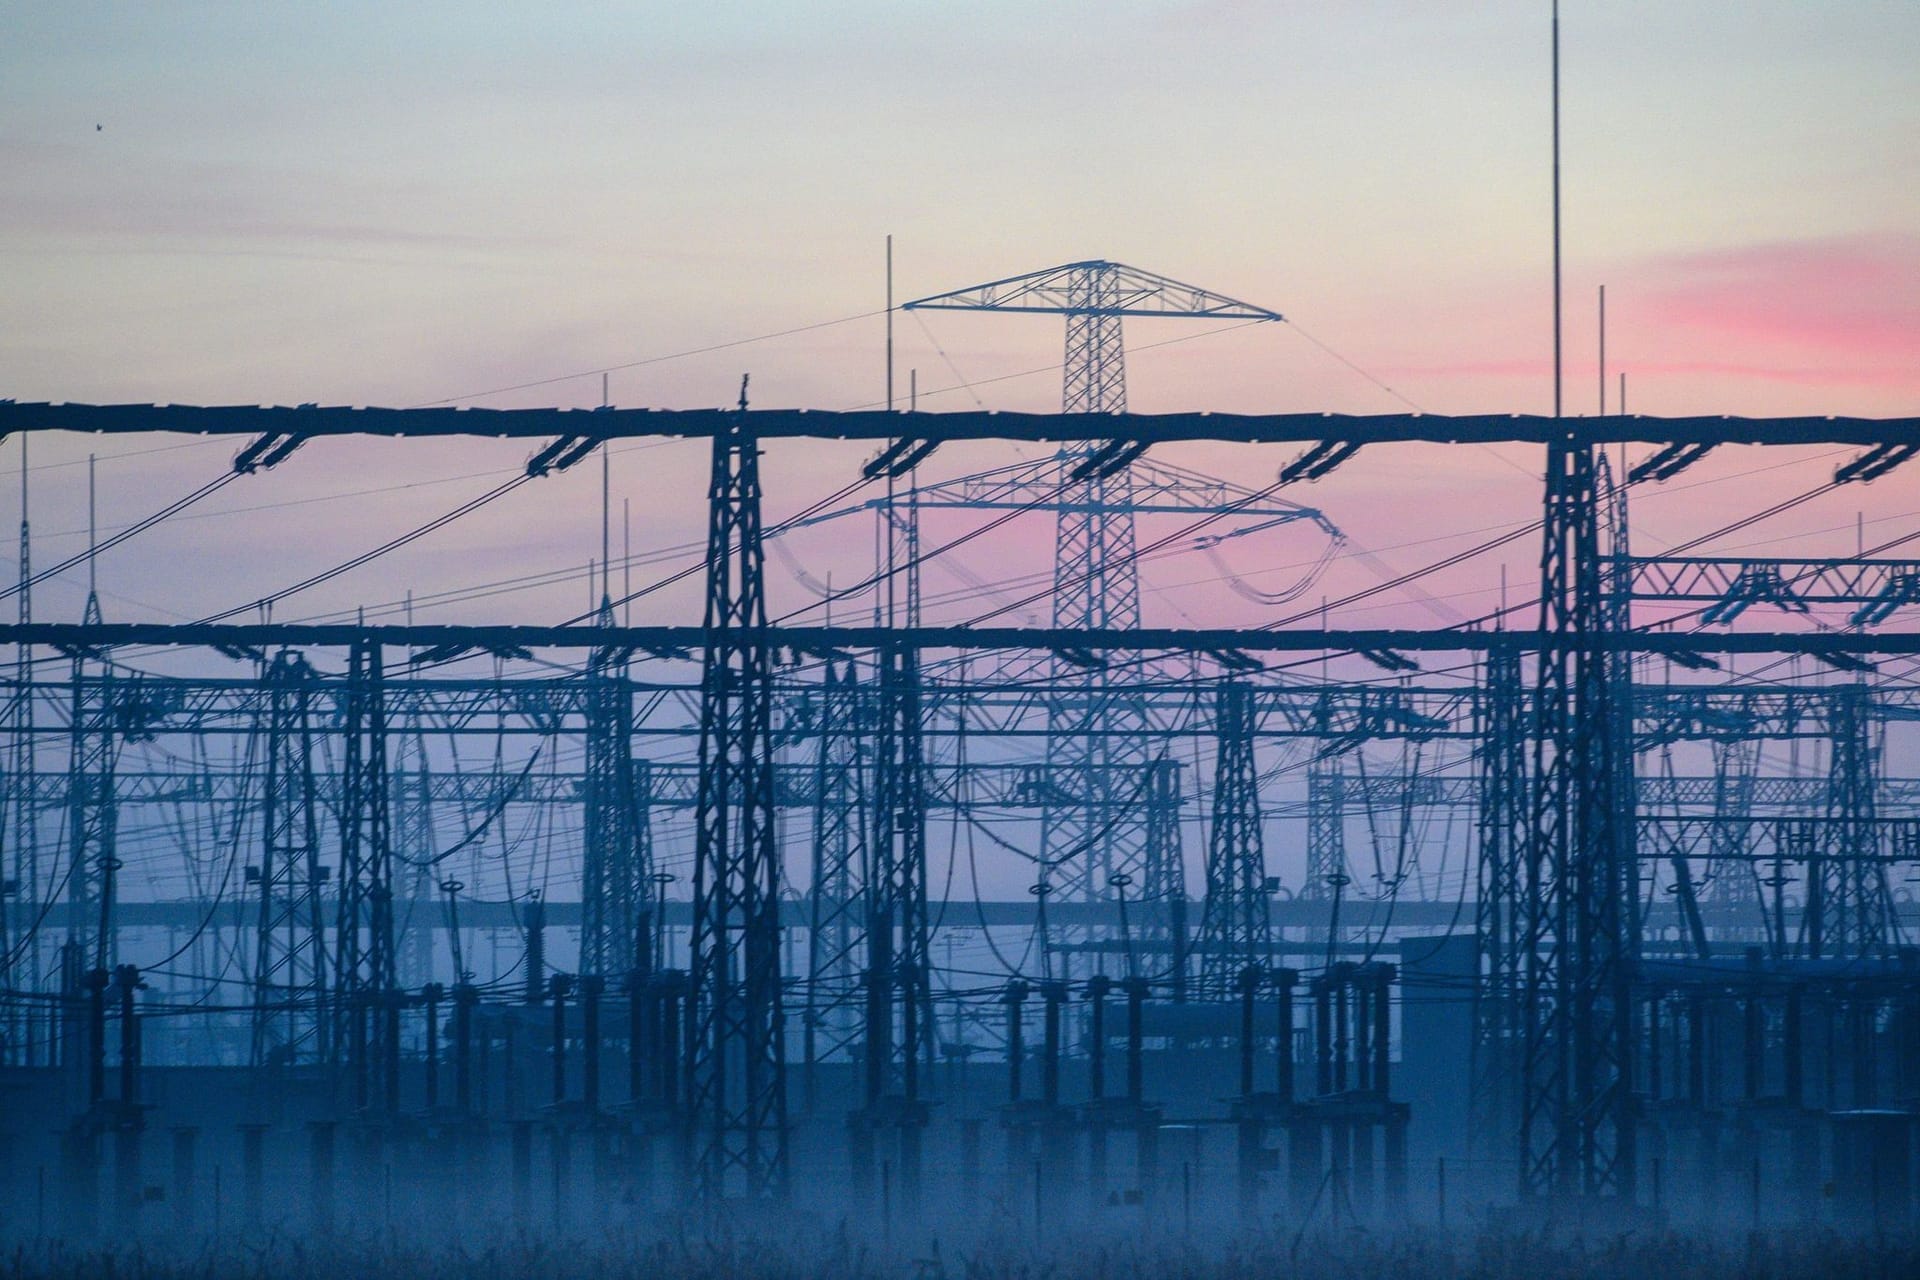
838, 802
1576, 1126
1326, 825
736, 1046
1236, 931
1499, 792
289, 962
1731, 584
416, 855
898, 974
101, 719
311, 422
1561, 875
1849, 903
1093, 834
617, 871
365, 970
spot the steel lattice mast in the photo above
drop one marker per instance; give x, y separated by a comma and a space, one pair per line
833, 926
94, 736
1577, 1122
736, 1053
1101, 830
289, 963
24, 818
1326, 827
1849, 904
412, 782
1235, 931
616, 876
365, 965
899, 1040
1575, 1133
1501, 802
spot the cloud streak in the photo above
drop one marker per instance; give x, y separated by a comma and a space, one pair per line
1853, 294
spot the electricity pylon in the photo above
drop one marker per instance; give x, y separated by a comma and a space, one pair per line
1098, 839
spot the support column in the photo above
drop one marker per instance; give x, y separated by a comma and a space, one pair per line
737, 1049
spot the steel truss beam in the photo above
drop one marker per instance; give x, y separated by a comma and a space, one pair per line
1341, 713
799, 641
878, 425
1709, 579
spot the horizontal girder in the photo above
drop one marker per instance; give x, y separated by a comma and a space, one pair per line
1336, 712
1287, 913
1122, 291
1794, 583
684, 641
771, 424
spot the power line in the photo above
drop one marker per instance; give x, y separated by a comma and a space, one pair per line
649, 360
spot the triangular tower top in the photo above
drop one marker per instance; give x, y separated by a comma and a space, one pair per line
1121, 291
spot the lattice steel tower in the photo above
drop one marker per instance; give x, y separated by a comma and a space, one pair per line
736, 1048
1102, 828
1235, 931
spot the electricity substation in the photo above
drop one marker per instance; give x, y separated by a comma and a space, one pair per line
492, 927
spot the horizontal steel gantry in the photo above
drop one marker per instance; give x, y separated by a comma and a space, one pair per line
295, 423
442, 642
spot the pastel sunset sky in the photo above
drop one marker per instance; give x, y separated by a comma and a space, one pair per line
402, 204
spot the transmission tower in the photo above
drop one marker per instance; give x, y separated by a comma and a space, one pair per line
736, 1053
1326, 827
1576, 1126
898, 978
1734, 879
25, 816
834, 903
364, 976
289, 963
1849, 902
1500, 782
413, 839
92, 814
1236, 931
1098, 744
616, 879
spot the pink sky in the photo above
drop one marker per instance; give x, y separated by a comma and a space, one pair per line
361, 202
352, 203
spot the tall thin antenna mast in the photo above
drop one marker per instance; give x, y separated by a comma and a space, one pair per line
93, 542
606, 490
1603, 351
1557, 367
889, 323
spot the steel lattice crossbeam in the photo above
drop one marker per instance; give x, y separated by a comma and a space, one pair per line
1125, 291
1715, 578
879, 425
681, 641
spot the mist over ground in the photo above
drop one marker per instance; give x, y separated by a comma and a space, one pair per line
754, 1252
